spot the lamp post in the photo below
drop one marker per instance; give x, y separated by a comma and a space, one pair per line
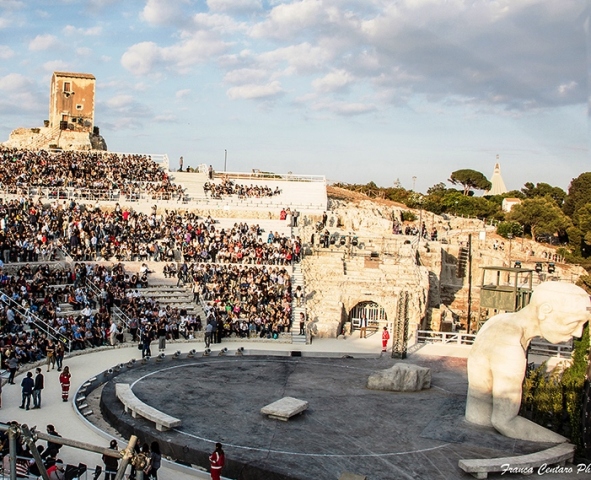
510, 237
225, 158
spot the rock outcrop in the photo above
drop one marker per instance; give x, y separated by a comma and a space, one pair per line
402, 377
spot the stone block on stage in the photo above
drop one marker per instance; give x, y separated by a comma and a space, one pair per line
284, 408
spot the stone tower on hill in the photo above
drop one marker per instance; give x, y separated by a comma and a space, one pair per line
71, 101
71, 117
498, 185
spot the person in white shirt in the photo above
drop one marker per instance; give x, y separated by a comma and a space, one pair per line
113, 332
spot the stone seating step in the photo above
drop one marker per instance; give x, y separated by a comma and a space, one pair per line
162, 288
162, 300
480, 468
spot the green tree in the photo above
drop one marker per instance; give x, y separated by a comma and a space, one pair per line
544, 190
573, 383
582, 219
506, 228
541, 215
470, 179
579, 193
433, 201
456, 203
399, 195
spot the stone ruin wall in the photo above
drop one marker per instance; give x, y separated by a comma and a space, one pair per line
434, 290
337, 278
45, 138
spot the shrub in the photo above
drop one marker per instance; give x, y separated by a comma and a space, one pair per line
408, 216
555, 400
506, 228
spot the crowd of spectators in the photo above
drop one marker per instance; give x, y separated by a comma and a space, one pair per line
399, 229
33, 299
245, 300
131, 175
228, 187
241, 244
31, 232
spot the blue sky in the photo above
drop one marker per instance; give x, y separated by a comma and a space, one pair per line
356, 90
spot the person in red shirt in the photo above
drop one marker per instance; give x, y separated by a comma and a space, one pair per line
217, 460
65, 382
385, 338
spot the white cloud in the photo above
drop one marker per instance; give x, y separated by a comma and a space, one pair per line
333, 81
12, 4
183, 93
6, 52
218, 23
289, 19
43, 42
253, 91
345, 108
92, 31
302, 58
128, 107
99, 4
15, 82
84, 51
56, 66
236, 6
140, 87
165, 118
164, 12
119, 102
141, 58
245, 75
565, 88
146, 57
18, 93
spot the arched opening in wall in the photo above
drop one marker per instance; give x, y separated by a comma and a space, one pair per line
368, 318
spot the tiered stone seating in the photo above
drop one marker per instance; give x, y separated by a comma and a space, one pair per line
177, 297
305, 196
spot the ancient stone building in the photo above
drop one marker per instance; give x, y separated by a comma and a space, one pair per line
71, 101
71, 117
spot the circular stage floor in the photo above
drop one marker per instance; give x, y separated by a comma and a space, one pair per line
347, 428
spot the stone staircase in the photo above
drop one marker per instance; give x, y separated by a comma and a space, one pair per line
177, 297
193, 183
297, 279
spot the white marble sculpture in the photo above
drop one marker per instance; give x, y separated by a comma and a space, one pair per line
496, 365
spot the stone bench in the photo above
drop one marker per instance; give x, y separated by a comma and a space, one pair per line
285, 408
524, 464
137, 407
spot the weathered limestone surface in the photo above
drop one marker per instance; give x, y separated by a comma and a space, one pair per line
338, 278
285, 408
402, 377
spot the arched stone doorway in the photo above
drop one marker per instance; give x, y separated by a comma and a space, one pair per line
375, 314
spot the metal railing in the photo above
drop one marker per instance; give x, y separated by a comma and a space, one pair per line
37, 321
279, 177
538, 346
134, 193
118, 315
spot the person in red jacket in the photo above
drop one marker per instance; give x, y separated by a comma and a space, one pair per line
65, 382
217, 460
385, 338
